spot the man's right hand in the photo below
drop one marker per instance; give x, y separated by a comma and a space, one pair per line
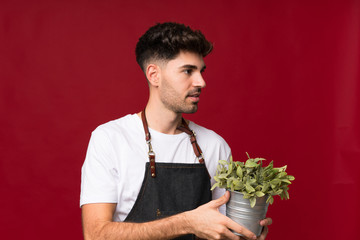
208, 223
205, 222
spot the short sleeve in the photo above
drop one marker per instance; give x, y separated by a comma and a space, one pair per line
98, 173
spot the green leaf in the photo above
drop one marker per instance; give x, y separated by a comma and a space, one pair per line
270, 166
270, 174
214, 186
249, 188
265, 187
250, 164
223, 162
291, 178
270, 200
238, 185
278, 192
247, 196
252, 201
222, 185
228, 183
281, 175
259, 159
252, 180
223, 176
230, 168
286, 181
259, 194
274, 183
239, 172
281, 169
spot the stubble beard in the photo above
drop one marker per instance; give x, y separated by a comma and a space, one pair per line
178, 106
174, 102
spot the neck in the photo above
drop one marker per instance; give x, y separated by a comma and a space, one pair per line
162, 120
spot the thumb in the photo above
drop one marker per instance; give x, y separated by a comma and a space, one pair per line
221, 200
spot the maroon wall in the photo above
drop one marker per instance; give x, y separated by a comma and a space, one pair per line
282, 83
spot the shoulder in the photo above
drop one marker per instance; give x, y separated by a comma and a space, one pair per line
214, 147
126, 125
205, 133
109, 140
210, 141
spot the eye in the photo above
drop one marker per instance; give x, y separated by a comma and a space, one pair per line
188, 71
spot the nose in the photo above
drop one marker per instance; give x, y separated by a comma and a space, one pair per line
199, 81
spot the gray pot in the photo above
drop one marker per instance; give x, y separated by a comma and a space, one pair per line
240, 211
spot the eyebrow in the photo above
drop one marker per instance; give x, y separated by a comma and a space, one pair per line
189, 66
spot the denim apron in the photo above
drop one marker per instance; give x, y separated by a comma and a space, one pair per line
171, 188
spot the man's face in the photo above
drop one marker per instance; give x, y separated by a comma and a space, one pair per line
181, 82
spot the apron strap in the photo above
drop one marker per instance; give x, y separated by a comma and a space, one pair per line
148, 141
197, 150
185, 128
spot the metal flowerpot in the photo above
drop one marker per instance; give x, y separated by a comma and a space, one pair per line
240, 211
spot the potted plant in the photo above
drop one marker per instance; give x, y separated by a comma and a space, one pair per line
253, 186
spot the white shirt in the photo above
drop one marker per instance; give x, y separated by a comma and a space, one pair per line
114, 166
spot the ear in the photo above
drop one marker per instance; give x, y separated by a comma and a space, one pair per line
153, 74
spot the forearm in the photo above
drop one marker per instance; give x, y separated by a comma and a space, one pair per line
205, 222
166, 228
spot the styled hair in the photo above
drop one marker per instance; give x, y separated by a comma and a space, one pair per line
164, 41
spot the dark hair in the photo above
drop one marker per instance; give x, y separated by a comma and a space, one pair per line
164, 41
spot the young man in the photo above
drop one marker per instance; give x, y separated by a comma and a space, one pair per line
147, 175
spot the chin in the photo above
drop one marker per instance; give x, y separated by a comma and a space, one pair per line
192, 110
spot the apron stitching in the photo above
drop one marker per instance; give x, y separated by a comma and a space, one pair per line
181, 167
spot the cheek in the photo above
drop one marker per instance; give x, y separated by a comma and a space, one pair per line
176, 86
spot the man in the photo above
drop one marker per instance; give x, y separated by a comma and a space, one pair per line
147, 175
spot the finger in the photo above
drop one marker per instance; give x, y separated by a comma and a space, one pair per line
230, 235
221, 200
264, 233
240, 229
266, 222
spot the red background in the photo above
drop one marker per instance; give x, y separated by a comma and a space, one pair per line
282, 83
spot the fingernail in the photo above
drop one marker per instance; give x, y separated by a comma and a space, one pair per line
254, 237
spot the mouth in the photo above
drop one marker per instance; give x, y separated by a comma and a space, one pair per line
194, 96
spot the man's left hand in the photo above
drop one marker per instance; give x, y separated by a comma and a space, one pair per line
265, 222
